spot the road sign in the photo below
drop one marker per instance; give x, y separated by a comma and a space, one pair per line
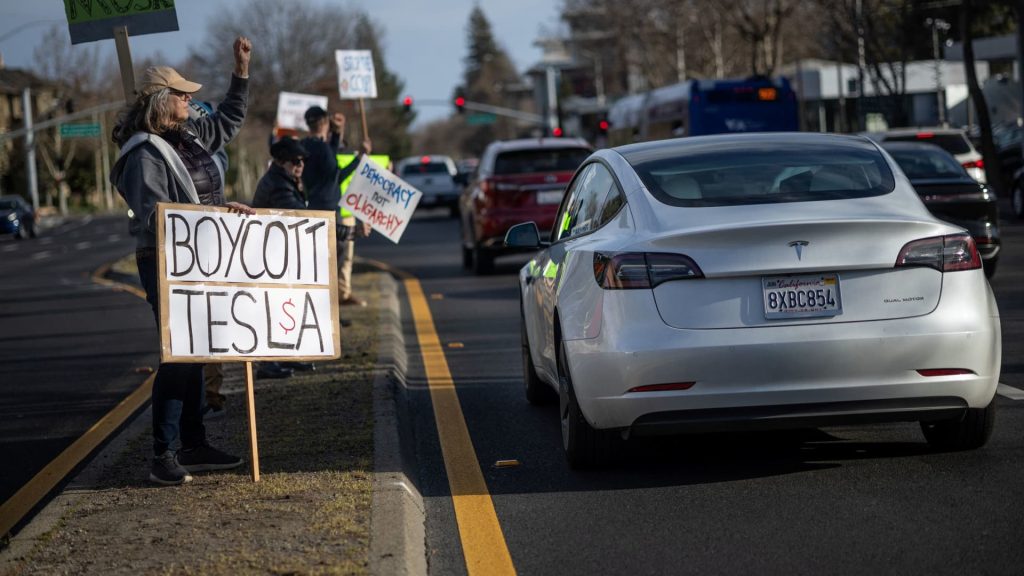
79, 130
479, 119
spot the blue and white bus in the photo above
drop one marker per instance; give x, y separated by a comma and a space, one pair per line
698, 107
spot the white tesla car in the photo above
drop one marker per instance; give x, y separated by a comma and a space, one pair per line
748, 281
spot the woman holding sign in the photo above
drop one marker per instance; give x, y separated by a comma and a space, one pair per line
165, 157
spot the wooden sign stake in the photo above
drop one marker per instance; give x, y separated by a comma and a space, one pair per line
250, 404
362, 112
124, 58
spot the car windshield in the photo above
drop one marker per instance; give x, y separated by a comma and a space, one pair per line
428, 168
952, 143
540, 160
920, 164
8, 205
737, 175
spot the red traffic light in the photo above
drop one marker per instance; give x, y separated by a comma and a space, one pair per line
603, 125
407, 103
460, 104
556, 132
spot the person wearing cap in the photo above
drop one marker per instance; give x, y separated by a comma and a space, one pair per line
323, 178
166, 157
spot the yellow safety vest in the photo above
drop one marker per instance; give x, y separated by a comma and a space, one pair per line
343, 160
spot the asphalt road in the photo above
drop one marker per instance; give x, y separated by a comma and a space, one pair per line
856, 500
69, 347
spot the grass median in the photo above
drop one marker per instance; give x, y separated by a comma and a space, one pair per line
309, 514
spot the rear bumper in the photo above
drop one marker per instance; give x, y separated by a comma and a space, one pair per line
785, 376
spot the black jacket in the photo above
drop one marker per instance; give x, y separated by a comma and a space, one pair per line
322, 176
277, 189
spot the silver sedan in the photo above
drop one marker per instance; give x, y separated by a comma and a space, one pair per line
754, 281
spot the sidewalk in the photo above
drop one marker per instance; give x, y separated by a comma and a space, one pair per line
325, 499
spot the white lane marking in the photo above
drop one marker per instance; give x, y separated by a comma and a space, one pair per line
83, 245
41, 255
1010, 392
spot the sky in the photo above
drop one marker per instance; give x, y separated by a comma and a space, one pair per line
424, 43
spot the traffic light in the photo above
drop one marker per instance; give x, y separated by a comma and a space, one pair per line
407, 104
460, 104
557, 132
603, 126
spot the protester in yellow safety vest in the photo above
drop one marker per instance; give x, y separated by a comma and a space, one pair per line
322, 178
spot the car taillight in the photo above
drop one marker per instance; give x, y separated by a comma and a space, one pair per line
943, 253
631, 270
974, 164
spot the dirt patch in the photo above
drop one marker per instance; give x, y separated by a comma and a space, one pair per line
309, 514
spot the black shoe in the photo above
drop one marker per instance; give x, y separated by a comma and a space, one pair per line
299, 366
272, 371
204, 457
167, 471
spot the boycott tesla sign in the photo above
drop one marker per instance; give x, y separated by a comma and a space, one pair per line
246, 287
379, 197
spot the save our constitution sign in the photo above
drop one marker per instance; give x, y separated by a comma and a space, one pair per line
239, 287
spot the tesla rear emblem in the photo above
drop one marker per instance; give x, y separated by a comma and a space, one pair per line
798, 245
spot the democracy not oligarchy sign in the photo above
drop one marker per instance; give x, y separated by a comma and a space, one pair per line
380, 198
238, 287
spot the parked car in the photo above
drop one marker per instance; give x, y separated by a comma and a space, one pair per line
952, 195
434, 176
17, 217
1008, 139
516, 180
753, 281
952, 140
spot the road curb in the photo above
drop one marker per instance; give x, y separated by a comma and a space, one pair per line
397, 521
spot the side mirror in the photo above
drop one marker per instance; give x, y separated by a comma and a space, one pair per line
523, 235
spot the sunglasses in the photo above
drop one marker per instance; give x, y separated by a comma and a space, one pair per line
298, 161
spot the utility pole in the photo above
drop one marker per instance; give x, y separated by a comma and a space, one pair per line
30, 147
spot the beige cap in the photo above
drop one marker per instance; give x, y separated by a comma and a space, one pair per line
158, 77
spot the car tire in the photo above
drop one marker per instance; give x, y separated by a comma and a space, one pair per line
584, 446
20, 233
537, 392
453, 211
967, 433
1017, 199
483, 260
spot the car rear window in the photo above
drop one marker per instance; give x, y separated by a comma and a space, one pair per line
540, 160
924, 164
428, 168
733, 175
952, 143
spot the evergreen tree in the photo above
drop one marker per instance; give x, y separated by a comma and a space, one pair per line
488, 71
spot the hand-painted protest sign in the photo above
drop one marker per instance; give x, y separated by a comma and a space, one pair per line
92, 20
292, 106
379, 197
235, 287
356, 76
343, 161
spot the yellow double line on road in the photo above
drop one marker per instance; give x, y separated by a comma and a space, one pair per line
483, 542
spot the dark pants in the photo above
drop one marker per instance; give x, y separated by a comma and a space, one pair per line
178, 391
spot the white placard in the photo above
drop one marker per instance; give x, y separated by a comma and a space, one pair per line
356, 76
379, 197
292, 106
247, 287
208, 321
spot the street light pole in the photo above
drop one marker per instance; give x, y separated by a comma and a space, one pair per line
936, 25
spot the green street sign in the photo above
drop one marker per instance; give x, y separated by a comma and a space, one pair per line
480, 118
79, 130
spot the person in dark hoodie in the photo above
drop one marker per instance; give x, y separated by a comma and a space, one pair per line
281, 187
165, 157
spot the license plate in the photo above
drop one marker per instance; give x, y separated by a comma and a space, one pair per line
801, 296
550, 197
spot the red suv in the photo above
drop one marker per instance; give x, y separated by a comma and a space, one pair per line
516, 181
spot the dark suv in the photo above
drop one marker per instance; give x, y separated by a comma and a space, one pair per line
516, 181
17, 217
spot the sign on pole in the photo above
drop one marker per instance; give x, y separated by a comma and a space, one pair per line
95, 19
292, 106
380, 198
80, 130
356, 76
247, 288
